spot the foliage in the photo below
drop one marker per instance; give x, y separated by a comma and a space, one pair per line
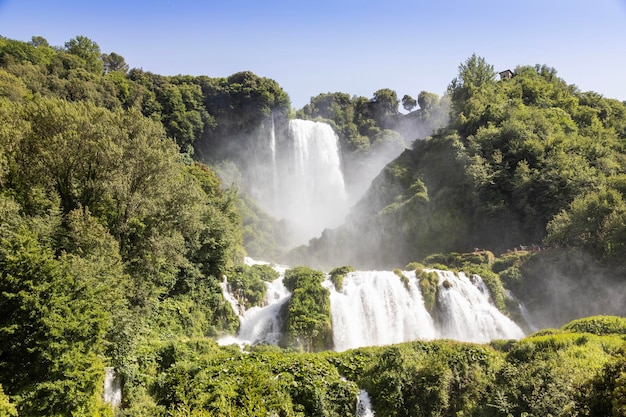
247, 283
403, 278
599, 325
559, 374
7, 409
54, 317
429, 284
338, 274
308, 322
114, 243
261, 233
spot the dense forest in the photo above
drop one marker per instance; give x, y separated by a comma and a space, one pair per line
121, 213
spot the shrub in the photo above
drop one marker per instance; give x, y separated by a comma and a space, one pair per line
308, 321
414, 266
338, 274
600, 325
428, 283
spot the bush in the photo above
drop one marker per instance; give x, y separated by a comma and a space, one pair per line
428, 283
338, 274
307, 323
600, 325
248, 283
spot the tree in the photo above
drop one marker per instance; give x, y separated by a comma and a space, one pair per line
52, 325
408, 102
39, 41
427, 100
114, 62
384, 107
88, 51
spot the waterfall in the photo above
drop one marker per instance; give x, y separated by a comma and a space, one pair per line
259, 324
467, 313
363, 405
112, 387
309, 180
272, 135
375, 308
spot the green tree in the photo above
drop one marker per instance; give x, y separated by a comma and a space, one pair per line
427, 101
37, 41
51, 331
88, 51
384, 107
408, 102
114, 62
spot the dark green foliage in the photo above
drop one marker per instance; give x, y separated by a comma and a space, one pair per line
129, 237
247, 283
338, 274
114, 243
552, 374
54, 317
605, 394
307, 324
240, 105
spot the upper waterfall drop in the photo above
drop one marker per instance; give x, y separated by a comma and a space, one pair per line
310, 180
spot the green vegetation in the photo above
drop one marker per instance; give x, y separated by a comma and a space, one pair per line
429, 284
247, 283
307, 323
527, 159
338, 274
110, 236
115, 236
403, 278
564, 373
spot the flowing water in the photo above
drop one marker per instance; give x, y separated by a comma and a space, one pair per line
112, 387
363, 405
377, 308
306, 188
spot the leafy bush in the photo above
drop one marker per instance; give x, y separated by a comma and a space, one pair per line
247, 283
308, 321
600, 325
492, 281
429, 283
414, 266
338, 274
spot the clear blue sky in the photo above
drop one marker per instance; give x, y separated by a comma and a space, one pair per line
351, 46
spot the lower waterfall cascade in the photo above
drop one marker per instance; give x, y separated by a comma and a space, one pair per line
363, 405
112, 387
377, 308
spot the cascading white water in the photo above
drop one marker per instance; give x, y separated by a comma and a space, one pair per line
378, 308
112, 387
259, 324
363, 405
467, 313
272, 134
310, 180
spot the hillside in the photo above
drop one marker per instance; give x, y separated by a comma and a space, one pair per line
117, 232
